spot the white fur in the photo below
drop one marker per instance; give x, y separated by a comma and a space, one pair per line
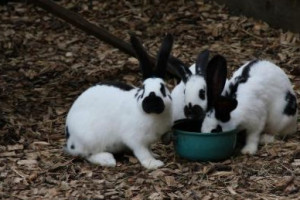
185, 93
105, 120
266, 139
193, 68
178, 101
261, 101
104, 159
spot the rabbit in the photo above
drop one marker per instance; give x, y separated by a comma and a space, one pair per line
189, 96
259, 97
110, 118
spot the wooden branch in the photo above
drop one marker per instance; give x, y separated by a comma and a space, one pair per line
81, 23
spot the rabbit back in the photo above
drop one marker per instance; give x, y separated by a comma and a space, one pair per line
95, 110
263, 91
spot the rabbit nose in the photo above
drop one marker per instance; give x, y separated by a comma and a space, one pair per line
193, 112
153, 104
152, 94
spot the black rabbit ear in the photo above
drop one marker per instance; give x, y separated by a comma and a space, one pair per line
215, 79
180, 69
201, 62
163, 56
142, 56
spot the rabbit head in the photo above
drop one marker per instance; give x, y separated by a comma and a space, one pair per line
218, 107
153, 97
195, 90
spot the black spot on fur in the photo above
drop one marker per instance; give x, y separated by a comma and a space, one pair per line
223, 116
233, 87
143, 89
291, 106
218, 129
67, 132
170, 97
193, 112
202, 94
223, 107
153, 104
72, 146
120, 85
138, 92
163, 90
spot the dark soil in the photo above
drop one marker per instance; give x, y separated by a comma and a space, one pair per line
46, 63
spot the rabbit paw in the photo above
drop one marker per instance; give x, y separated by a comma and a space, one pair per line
104, 159
152, 163
250, 149
154, 154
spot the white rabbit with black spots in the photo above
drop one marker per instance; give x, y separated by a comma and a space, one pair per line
259, 97
112, 117
189, 96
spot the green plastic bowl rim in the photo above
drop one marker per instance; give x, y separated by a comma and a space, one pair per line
234, 131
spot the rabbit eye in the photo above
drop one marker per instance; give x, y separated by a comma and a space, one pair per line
163, 90
202, 94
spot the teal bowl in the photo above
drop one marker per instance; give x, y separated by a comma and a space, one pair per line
197, 146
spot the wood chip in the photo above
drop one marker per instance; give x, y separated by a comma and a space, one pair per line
231, 190
7, 154
47, 63
15, 147
27, 162
170, 180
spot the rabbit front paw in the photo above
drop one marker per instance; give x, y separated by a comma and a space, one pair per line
152, 163
249, 149
104, 159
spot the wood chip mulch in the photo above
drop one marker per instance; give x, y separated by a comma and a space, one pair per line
46, 63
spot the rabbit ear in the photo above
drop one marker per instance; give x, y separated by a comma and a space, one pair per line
180, 68
223, 107
216, 79
142, 56
201, 62
163, 56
